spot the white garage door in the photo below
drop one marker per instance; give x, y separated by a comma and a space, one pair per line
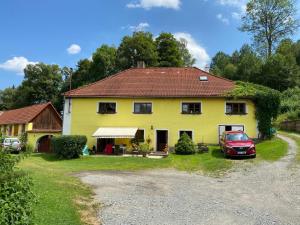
229, 127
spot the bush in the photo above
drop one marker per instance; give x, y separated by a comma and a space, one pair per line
68, 146
16, 197
144, 148
185, 145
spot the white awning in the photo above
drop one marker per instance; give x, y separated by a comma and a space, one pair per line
115, 132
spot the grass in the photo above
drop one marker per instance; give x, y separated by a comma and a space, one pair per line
55, 192
59, 193
296, 138
271, 150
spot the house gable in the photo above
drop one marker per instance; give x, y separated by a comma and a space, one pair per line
47, 119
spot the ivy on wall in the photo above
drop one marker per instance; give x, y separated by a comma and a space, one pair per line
266, 100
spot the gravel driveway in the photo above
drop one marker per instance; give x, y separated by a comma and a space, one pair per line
267, 193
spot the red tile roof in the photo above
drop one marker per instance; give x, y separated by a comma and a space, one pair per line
22, 115
156, 82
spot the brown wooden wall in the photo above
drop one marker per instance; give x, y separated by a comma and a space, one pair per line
290, 125
47, 120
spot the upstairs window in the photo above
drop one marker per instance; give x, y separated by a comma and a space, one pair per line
143, 108
107, 108
235, 108
191, 108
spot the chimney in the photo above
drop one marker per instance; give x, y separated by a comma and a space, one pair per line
141, 64
207, 68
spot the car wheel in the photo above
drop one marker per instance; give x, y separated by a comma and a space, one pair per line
253, 157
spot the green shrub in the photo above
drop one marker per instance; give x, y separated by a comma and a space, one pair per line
68, 146
185, 145
144, 148
16, 197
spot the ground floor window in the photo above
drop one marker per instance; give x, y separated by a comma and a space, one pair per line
140, 135
188, 132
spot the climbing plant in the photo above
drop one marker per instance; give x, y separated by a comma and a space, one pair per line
266, 100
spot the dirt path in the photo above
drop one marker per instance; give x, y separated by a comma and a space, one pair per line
268, 193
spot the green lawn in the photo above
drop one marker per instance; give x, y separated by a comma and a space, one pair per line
58, 191
271, 150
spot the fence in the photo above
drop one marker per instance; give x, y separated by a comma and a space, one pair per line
293, 125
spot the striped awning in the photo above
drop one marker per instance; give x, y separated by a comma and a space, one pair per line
115, 132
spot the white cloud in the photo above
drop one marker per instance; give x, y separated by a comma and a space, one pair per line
223, 19
139, 27
74, 49
148, 4
196, 50
16, 64
239, 5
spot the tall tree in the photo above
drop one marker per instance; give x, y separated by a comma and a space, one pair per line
269, 21
279, 72
138, 47
103, 62
219, 62
81, 75
7, 98
187, 58
169, 54
249, 65
42, 83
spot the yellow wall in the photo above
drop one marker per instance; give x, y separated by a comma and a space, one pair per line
32, 138
166, 115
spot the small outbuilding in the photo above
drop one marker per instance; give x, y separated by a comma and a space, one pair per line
40, 122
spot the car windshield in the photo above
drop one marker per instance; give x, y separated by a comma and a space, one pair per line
237, 137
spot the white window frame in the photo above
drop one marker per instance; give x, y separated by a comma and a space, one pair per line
183, 130
244, 102
106, 101
201, 107
142, 102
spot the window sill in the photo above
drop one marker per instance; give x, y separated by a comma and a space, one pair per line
236, 114
105, 113
142, 113
191, 113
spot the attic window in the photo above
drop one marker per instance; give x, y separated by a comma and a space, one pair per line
203, 78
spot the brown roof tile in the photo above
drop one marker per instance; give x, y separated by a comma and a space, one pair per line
156, 82
22, 115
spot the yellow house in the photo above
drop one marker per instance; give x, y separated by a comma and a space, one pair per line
40, 122
156, 105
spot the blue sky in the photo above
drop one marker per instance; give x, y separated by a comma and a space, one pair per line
64, 31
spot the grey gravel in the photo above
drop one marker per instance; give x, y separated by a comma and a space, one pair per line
252, 194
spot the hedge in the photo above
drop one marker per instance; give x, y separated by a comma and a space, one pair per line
68, 146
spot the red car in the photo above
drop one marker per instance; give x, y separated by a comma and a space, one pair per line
237, 143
